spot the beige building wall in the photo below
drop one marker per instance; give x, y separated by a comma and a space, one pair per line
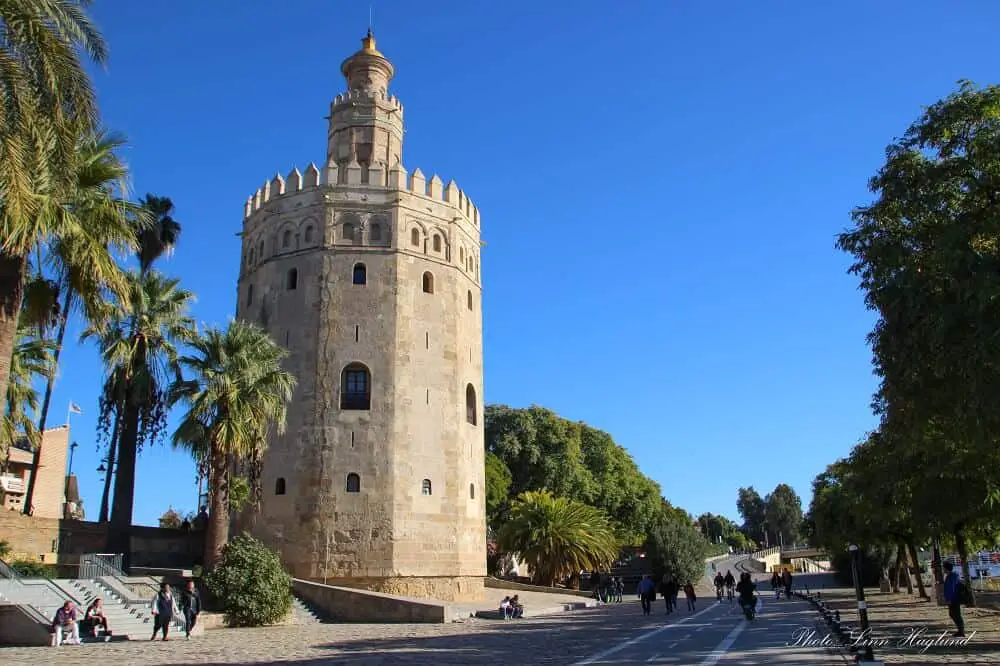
365, 265
50, 489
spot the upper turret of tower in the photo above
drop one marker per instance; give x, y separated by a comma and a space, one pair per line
368, 70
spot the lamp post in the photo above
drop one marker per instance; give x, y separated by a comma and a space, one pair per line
862, 605
107, 471
72, 450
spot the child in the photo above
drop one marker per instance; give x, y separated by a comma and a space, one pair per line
689, 593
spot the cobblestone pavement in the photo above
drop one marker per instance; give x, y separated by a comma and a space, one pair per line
580, 636
894, 616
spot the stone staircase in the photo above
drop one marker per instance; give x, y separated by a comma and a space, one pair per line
129, 616
305, 613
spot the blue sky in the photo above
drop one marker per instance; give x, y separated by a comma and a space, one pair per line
660, 184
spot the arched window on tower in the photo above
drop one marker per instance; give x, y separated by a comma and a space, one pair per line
360, 274
286, 239
376, 233
355, 388
428, 283
347, 232
437, 243
279, 486
353, 483
415, 237
470, 404
425, 487
309, 234
292, 280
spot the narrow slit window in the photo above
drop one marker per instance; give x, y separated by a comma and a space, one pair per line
470, 404
292, 280
357, 333
472, 491
468, 299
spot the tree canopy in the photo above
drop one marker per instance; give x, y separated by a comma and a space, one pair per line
542, 451
927, 254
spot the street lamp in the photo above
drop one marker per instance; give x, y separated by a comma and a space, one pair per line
72, 450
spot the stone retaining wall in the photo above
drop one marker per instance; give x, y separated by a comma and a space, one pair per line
351, 605
500, 584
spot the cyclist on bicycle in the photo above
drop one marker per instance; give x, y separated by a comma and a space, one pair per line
730, 584
747, 591
719, 583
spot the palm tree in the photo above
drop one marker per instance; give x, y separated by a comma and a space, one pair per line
46, 103
238, 392
32, 358
138, 347
157, 233
97, 200
557, 536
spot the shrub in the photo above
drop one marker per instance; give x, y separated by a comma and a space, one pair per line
32, 569
871, 569
250, 583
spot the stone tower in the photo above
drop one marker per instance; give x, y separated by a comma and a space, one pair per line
369, 276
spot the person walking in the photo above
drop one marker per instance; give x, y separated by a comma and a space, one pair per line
190, 607
953, 596
163, 607
786, 578
647, 589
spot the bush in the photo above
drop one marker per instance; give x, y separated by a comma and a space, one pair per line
677, 549
250, 583
32, 569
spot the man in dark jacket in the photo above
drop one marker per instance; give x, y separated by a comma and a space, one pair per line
190, 606
953, 597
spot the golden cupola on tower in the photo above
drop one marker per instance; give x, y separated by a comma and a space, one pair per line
367, 69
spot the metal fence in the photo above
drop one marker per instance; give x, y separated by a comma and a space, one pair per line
95, 565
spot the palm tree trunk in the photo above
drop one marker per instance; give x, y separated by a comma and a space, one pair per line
916, 568
112, 453
120, 529
46, 401
11, 292
218, 517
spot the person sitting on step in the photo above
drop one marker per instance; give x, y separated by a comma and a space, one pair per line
517, 610
96, 620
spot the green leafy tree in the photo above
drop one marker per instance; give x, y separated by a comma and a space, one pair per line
784, 513
237, 393
498, 480
927, 256
251, 584
676, 548
557, 536
545, 452
753, 510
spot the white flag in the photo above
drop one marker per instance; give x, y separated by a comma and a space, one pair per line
74, 408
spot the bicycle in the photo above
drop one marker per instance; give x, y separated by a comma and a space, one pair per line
718, 594
729, 594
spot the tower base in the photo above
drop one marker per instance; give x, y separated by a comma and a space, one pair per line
445, 588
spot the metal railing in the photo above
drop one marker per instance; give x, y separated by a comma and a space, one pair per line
95, 565
27, 597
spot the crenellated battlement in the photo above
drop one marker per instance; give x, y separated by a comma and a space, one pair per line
396, 179
359, 95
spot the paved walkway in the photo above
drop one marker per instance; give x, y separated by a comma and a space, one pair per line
619, 632
893, 617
